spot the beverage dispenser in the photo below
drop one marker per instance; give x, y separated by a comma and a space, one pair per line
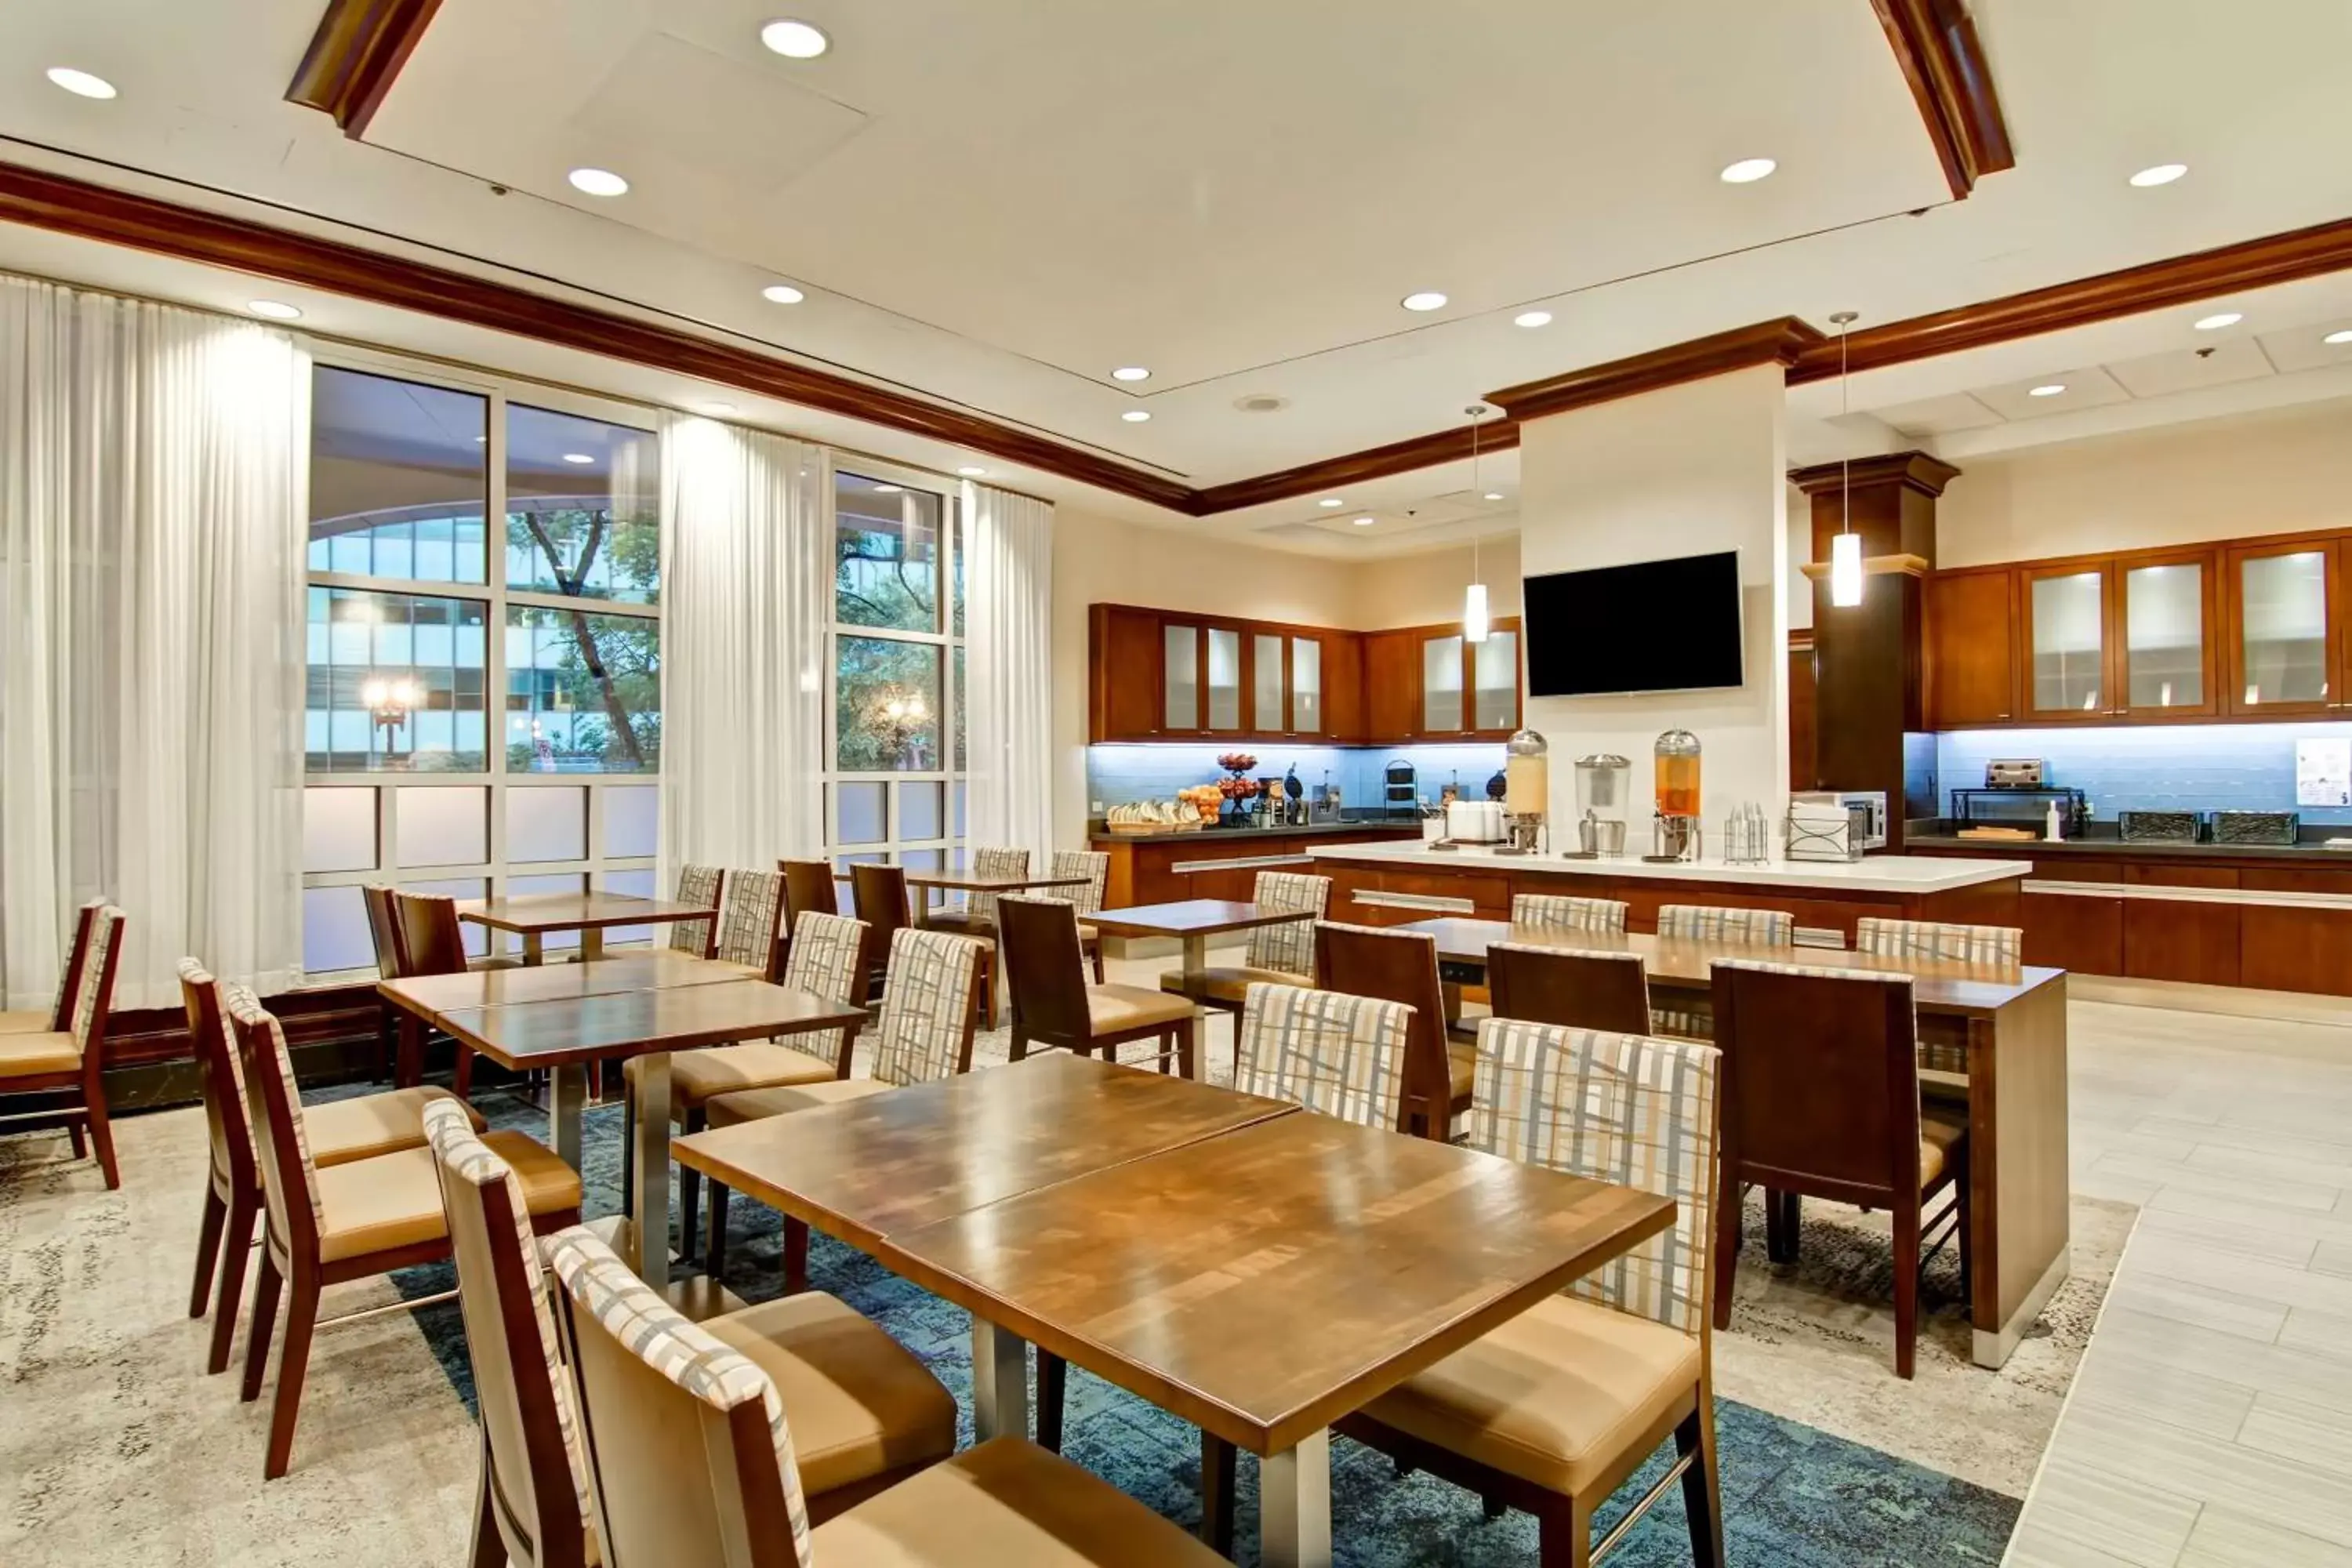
1676, 758
1527, 792
1604, 790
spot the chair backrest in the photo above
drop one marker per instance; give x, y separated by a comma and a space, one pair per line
1396, 966
228, 1121
1574, 989
1615, 1108
1044, 969
995, 862
1290, 946
290, 1181
688, 1458
383, 929
1343, 1056
94, 987
809, 889
520, 1383
1093, 865
1821, 1079
61, 1009
1573, 914
1938, 940
930, 1007
825, 959
431, 940
751, 917
1708, 923
697, 885
879, 894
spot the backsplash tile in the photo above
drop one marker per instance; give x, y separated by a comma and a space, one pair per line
2166, 767
1117, 774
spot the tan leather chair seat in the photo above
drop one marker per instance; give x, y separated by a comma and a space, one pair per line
31, 1052
1113, 1008
342, 1130
859, 1402
759, 1104
699, 1077
962, 922
1938, 1138
1004, 1504
32, 1021
1553, 1395
393, 1200
1228, 984
1461, 1069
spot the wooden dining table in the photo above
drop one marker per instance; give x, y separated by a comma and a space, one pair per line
561, 1018
2013, 1018
536, 916
1258, 1270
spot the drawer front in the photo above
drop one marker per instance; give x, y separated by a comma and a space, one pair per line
2159, 876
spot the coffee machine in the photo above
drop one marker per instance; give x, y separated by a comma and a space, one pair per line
1675, 757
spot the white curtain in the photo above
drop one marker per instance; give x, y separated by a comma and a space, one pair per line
745, 596
1009, 646
153, 480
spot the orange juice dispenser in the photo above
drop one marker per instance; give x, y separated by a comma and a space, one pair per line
1676, 765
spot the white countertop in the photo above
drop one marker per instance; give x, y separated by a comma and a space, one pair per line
1884, 873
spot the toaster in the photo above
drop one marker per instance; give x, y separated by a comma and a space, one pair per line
2014, 773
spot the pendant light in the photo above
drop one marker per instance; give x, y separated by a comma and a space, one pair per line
1846, 549
1474, 602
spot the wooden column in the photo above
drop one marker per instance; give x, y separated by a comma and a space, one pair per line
1868, 660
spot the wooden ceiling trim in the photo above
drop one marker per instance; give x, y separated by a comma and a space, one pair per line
1936, 44
1355, 467
1779, 341
1916, 469
355, 55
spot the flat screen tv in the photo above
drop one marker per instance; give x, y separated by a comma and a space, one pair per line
1652, 625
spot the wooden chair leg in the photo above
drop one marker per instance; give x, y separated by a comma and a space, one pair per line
80, 1139
1164, 1047
101, 1130
1020, 1048
714, 1233
1726, 1252
1053, 1384
628, 1146
408, 1070
465, 1073
1187, 1046
1216, 1494
1564, 1534
1493, 1508
208, 1234
265, 1323
1906, 1288
237, 1243
1702, 1489
1096, 956
1782, 1212
796, 1251
689, 1193
293, 1363
490, 1549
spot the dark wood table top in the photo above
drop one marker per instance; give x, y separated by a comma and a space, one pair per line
1189, 917
1939, 985
1264, 1282
873, 1167
543, 912
634, 1022
430, 996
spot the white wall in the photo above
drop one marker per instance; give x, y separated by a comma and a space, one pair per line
2226, 478
1423, 590
1680, 471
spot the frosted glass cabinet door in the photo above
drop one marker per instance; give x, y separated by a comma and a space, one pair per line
2283, 662
1181, 676
2066, 623
1441, 684
1225, 679
1266, 684
2167, 655
1496, 667
1306, 686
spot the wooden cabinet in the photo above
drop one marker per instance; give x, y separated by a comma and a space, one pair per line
2066, 669
1391, 686
2165, 634
2285, 628
1971, 619
1466, 691
1342, 659
1123, 673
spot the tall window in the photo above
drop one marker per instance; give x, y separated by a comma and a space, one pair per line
414, 777
895, 780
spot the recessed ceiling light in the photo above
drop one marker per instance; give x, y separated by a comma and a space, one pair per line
781, 294
1494, 495
1427, 299
1129, 373
1136, 415
1332, 503
973, 473
578, 457
81, 84
2342, 337
2159, 174
598, 183
2050, 390
1364, 523
275, 309
795, 40
1748, 170
2215, 323
1532, 319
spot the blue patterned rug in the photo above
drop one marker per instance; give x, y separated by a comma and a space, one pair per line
1792, 1497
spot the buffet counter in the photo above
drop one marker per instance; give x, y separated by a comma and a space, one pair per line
1221, 862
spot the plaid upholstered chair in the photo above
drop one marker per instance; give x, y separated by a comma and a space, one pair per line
339, 1132
73, 1058
1690, 1015
1821, 1099
697, 885
338, 1222
823, 962
1557, 1407
1562, 912
751, 920
923, 1032
1943, 1043
1278, 955
1095, 866
870, 1413
56, 1018
1343, 1056
697, 1457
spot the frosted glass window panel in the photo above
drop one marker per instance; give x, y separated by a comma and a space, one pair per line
641, 884
1441, 684
2283, 627
2164, 634
1225, 679
923, 859
2068, 643
1306, 686
959, 794
1181, 676
339, 830
860, 820
520, 886
1498, 671
546, 824
335, 931
477, 937
632, 822
1266, 683
918, 812
444, 826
